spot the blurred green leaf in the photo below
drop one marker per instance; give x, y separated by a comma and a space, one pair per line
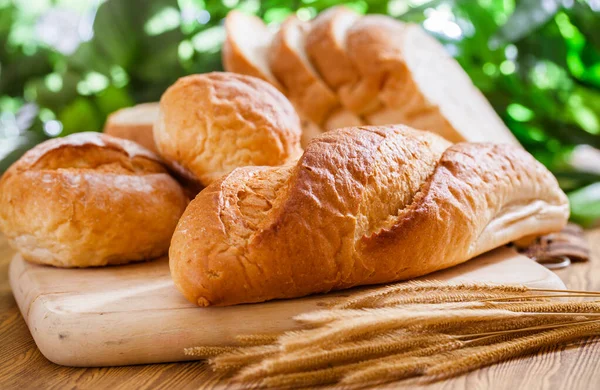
529, 15
585, 205
80, 115
21, 144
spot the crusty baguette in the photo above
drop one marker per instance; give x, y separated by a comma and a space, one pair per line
89, 199
362, 206
211, 123
134, 123
326, 46
420, 85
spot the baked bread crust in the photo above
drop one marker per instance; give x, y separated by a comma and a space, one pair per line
89, 199
211, 123
359, 207
134, 124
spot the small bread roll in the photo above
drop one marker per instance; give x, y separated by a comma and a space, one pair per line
89, 199
134, 123
212, 123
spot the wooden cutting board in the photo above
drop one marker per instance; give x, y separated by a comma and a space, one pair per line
133, 314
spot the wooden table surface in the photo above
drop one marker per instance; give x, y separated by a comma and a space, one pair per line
22, 366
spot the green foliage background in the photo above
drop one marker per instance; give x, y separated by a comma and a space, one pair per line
537, 61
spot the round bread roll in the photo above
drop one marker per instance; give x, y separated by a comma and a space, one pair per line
134, 123
212, 123
89, 199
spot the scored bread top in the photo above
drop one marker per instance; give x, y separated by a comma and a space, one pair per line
89, 199
87, 150
360, 207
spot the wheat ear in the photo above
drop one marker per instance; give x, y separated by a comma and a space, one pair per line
256, 339
323, 317
551, 307
241, 357
316, 358
365, 300
378, 320
334, 374
472, 358
206, 352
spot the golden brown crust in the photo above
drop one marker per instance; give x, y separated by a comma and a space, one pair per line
89, 199
134, 124
363, 205
212, 123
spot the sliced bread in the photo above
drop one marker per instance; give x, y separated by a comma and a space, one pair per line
134, 123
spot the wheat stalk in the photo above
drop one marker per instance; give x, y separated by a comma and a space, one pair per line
481, 352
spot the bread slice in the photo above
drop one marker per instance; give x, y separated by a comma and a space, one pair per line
245, 51
290, 64
135, 124
420, 85
326, 46
246, 45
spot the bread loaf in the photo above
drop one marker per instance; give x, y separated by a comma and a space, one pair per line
420, 84
134, 124
212, 123
342, 69
362, 206
89, 199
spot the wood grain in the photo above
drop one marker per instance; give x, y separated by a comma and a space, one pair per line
133, 314
23, 367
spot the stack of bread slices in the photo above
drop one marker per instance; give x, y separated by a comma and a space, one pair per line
343, 69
